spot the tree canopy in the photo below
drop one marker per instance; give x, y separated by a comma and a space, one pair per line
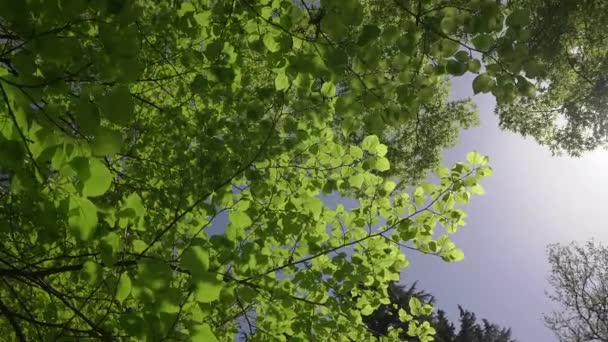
129, 129
567, 42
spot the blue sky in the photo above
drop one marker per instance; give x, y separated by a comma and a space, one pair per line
533, 199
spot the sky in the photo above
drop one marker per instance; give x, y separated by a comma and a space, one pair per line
532, 200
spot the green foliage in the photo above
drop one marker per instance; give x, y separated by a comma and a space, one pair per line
483, 83
133, 129
562, 46
123, 289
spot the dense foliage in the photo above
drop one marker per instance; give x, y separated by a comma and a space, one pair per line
388, 316
568, 42
129, 129
132, 127
579, 280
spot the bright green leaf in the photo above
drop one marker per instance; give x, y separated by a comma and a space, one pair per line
239, 219
203, 333
272, 43
370, 143
83, 217
93, 175
196, 260
207, 288
328, 89
382, 164
123, 289
281, 82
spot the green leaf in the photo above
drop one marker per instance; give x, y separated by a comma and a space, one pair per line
419, 198
239, 219
117, 105
233, 232
448, 25
91, 272
454, 255
100, 180
449, 47
382, 164
196, 260
139, 246
456, 68
483, 83
207, 288
186, 7
106, 142
477, 189
389, 186
203, 333
356, 180
404, 316
272, 42
328, 89
415, 306
427, 310
406, 230
367, 310
462, 56
123, 289
474, 66
475, 158
381, 150
133, 206
94, 176
315, 206
202, 18
82, 217
281, 82
110, 246
370, 143
483, 42
356, 152
442, 171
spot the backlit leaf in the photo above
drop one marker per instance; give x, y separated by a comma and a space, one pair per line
123, 289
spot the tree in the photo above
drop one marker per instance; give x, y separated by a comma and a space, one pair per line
471, 331
444, 329
391, 317
416, 146
579, 280
168, 164
566, 45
